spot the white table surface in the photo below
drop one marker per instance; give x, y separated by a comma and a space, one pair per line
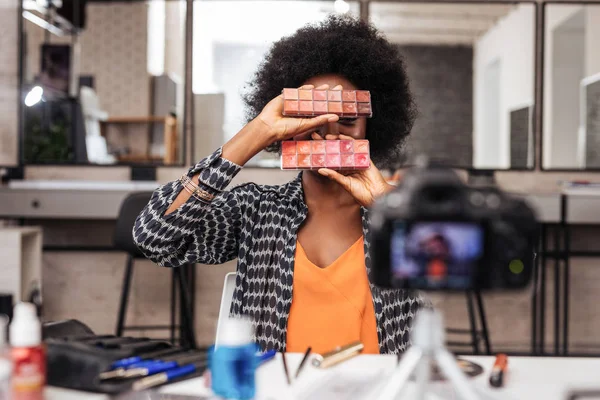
528, 378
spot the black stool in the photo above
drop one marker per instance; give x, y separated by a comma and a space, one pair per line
130, 209
478, 334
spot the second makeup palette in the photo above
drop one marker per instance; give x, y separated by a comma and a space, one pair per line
311, 102
332, 154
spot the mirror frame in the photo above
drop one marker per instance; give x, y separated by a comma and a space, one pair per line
542, 51
187, 121
536, 75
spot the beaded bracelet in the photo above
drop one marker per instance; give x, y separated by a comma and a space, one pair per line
192, 188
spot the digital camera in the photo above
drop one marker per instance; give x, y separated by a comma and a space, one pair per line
435, 232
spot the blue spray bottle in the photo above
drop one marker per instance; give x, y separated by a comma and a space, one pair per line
233, 361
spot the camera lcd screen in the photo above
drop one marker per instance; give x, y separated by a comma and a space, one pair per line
436, 255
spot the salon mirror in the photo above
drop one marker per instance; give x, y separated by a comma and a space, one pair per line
228, 47
471, 69
103, 82
571, 124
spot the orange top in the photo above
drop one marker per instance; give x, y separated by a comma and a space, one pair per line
331, 306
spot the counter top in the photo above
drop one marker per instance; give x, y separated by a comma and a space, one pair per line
548, 378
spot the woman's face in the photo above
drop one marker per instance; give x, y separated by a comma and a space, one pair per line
354, 127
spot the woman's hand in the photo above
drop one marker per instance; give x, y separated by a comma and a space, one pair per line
269, 127
364, 185
283, 128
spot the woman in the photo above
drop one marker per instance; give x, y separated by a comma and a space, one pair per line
303, 247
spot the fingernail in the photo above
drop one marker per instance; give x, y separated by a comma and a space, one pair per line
332, 119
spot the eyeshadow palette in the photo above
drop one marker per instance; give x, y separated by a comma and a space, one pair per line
311, 102
332, 154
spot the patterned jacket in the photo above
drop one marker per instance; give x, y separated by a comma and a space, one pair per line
258, 225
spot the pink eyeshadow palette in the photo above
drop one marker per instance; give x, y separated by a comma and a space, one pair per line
332, 154
312, 102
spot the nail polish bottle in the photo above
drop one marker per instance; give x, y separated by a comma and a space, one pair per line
5, 361
28, 354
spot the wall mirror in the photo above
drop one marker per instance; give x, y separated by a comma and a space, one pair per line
228, 48
571, 124
471, 67
103, 82
472, 72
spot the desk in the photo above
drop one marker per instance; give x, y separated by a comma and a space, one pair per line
528, 378
580, 206
67, 199
549, 211
75, 200
559, 212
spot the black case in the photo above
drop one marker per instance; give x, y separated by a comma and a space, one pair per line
76, 356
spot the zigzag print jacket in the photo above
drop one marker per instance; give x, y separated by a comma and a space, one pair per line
258, 225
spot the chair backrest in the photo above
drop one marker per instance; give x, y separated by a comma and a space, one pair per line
226, 298
131, 207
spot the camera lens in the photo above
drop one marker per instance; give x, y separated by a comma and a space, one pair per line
477, 199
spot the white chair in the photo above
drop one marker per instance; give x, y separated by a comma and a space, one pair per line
226, 298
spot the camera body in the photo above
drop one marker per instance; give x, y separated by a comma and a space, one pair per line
434, 232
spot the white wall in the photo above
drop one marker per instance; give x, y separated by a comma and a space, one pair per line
592, 45
560, 143
511, 43
555, 16
228, 47
9, 82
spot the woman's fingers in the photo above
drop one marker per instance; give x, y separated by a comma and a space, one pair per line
307, 124
331, 136
344, 181
316, 136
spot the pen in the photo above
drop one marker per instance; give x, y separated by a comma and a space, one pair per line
122, 367
162, 366
119, 372
306, 354
125, 362
167, 376
285, 368
497, 374
151, 368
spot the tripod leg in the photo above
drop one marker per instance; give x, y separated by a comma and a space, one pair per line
450, 369
398, 379
423, 373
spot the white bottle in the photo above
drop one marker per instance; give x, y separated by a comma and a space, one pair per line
28, 354
5, 361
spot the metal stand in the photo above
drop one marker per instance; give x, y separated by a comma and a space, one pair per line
428, 345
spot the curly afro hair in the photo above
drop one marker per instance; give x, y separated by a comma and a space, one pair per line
354, 49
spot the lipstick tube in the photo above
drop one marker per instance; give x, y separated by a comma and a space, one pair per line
499, 370
337, 355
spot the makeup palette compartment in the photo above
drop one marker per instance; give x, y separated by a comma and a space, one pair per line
332, 154
313, 102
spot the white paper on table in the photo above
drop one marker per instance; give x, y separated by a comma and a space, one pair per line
336, 384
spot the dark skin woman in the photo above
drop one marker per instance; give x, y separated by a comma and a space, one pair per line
302, 248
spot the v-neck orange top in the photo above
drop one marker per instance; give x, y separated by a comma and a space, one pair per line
331, 306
